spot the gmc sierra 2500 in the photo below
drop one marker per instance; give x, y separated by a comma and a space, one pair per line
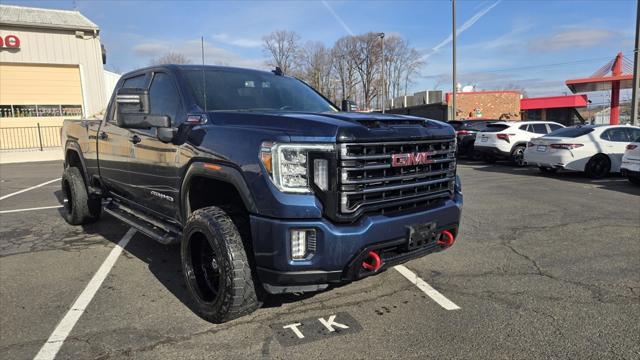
263, 182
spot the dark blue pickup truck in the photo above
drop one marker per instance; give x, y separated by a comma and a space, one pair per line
266, 185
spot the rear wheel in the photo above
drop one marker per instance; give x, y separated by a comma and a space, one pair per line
517, 155
216, 267
79, 207
598, 166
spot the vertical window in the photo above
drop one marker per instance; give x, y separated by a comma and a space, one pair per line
163, 97
539, 128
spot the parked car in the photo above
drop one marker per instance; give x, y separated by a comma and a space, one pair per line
595, 150
631, 162
508, 140
266, 185
466, 131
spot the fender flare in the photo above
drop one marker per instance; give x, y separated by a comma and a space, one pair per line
72, 145
220, 172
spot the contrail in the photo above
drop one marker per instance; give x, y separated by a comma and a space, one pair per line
467, 24
338, 18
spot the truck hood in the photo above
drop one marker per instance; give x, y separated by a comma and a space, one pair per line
341, 126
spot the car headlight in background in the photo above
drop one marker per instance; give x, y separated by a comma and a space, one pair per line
288, 166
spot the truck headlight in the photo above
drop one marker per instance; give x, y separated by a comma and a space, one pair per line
288, 166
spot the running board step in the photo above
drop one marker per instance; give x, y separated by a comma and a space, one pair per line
162, 233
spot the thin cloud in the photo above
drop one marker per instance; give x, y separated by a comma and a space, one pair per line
572, 38
467, 24
338, 18
236, 41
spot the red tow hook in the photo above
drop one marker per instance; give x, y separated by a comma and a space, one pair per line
376, 261
446, 239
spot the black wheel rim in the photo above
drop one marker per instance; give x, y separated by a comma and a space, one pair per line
206, 269
599, 167
68, 204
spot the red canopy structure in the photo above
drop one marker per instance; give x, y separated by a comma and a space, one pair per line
621, 77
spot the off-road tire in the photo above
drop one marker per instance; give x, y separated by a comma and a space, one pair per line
517, 156
598, 166
80, 208
236, 289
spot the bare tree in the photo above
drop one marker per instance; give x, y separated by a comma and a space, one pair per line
366, 58
344, 67
315, 67
171, 58
282, 46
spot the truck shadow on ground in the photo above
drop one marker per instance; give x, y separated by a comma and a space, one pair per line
164, 261
613, 182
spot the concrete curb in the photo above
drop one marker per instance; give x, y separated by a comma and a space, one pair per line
12, 157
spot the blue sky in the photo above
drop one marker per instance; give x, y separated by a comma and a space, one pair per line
535, 45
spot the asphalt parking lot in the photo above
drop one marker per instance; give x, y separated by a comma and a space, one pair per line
546, 266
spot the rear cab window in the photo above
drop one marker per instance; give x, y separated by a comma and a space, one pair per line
495, 127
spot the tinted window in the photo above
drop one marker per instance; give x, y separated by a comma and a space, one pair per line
616, 134
554, 127
523, 127
634, 134
254, 90
570, 132
163, 96
538, 128
135, 82
495, 127
456, 124
481, 125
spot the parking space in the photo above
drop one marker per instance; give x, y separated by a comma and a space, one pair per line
545, 266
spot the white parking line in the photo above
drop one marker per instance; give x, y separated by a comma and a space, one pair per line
59, 335
31, 209
426, 288
31, 188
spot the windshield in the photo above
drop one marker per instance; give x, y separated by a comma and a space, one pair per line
495, 127
239, 90
570, 132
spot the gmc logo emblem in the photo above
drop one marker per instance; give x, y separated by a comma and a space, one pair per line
421, 158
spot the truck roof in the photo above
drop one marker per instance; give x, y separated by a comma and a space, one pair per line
181, 67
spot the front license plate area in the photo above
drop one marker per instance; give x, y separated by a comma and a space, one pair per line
420, 235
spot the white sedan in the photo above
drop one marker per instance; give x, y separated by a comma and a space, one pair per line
631, 162
595, 150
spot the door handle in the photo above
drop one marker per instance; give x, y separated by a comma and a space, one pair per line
103, 135
135, 139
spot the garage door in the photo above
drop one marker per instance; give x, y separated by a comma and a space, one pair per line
39, 85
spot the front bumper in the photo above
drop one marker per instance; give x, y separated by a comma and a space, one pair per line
341, 248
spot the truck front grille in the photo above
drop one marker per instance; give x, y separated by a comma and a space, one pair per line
367, 181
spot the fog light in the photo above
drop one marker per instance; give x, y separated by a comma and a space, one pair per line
321, 174
303, 243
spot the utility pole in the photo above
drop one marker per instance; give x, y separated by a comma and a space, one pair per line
453, 98
381, 35
635, 111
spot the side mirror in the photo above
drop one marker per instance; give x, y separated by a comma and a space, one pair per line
349, 106
132, 108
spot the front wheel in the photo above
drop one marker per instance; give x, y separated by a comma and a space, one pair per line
216, 267
598, 167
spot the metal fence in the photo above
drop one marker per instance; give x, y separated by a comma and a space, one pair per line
36, 137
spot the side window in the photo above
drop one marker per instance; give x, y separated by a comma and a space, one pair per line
554, 127
634, 134
523, 127
163, 97
539, 128
135, 82
616, 134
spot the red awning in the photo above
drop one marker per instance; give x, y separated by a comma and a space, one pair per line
599, 83
554, 102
